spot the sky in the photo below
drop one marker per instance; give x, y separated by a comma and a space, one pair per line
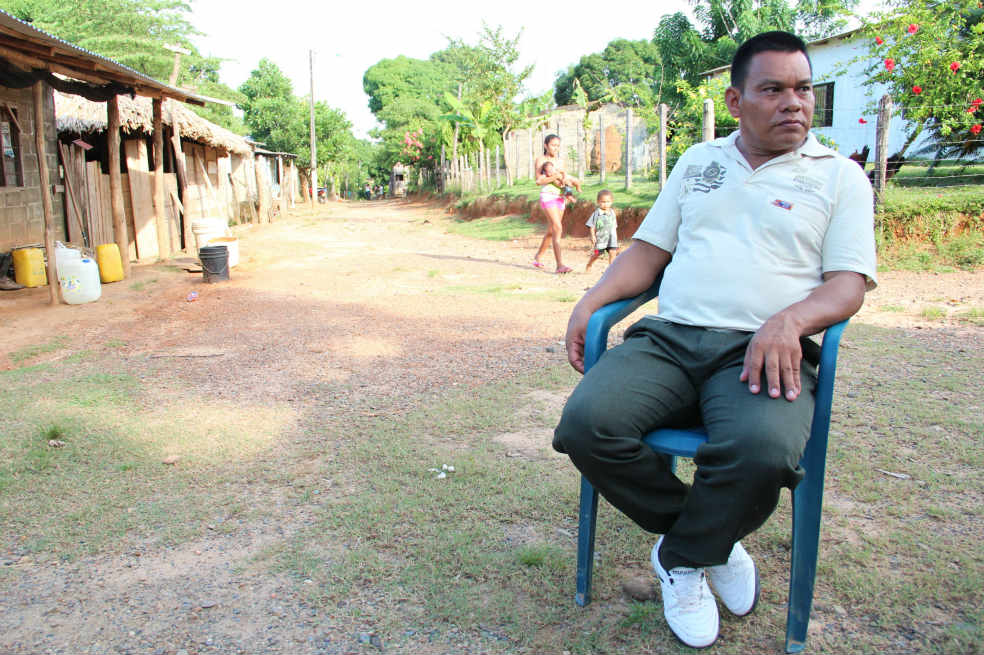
349, 37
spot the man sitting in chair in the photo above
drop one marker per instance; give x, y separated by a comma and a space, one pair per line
763, 237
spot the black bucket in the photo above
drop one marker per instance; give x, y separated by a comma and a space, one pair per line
215, 263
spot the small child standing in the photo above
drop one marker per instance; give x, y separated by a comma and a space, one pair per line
604, 227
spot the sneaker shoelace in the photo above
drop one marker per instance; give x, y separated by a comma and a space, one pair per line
683, 581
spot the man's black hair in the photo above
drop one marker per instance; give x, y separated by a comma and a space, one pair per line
764, 42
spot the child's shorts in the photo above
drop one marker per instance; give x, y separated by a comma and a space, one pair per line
606, 243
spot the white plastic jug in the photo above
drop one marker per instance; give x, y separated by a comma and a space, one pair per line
79, 280
64, 254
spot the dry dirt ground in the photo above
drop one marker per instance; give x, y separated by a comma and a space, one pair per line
347, 297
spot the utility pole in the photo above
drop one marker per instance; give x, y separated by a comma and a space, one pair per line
178, 51
314, 143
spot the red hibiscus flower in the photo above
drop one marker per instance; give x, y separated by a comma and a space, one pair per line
955, 66
879, 40
977, 102
917, 89
972, 108
913, 28
975, 129
862, 121
889, 64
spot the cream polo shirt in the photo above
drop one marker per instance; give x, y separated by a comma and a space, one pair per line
747, 244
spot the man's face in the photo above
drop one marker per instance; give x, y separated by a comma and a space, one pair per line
775, 105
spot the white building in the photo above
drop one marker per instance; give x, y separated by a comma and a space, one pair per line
843, 100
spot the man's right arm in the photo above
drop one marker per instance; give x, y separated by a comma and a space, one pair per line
631, 273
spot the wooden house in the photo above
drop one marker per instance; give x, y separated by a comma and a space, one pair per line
217, 181
33, 63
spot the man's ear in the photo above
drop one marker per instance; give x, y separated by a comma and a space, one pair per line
732, 98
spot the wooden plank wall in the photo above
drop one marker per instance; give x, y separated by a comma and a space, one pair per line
141, 195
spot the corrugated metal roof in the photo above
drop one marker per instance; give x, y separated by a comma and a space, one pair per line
60, 56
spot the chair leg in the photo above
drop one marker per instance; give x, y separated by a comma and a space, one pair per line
803, 565
587, 515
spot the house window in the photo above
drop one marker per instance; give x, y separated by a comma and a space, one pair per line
823, 110
11, 173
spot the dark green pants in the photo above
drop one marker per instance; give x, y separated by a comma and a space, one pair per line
669, 375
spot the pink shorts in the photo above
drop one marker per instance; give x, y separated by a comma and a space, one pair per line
553, 203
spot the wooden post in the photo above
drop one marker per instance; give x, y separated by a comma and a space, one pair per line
263, 206
628, 148
163, 237
881, 146
180, 167
601, 146
291, 177
442, 178
580, 151
663, 111
51, 269
116, 181
529, 134
498, 179
283, 186
708, 119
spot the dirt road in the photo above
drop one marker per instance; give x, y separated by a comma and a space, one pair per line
371, 305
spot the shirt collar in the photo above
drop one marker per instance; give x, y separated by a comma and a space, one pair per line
810, 148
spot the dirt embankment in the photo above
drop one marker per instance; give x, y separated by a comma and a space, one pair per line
575, 215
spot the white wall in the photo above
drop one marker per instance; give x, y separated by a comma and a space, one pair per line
852, 99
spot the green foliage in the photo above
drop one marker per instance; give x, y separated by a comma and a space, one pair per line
419, 98
281, 121
135, 33
937, 48
628, 72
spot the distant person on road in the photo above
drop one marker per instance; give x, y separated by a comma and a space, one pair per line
552, 200
604, 227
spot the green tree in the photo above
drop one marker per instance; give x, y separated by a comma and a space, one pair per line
930, 55
281, 121
630, 72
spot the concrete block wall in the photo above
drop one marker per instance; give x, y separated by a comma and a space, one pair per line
21, 214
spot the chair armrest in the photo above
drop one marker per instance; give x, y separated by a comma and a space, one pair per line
596, 335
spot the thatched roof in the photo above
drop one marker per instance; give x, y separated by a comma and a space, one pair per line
76, 115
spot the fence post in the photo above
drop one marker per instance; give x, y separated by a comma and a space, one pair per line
529, 134
601, 146
663, 110
442, 169
708, 119
881, 147
498, 181
628, 148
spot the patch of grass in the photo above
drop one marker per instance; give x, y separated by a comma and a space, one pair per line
115, 343
141, 285
502, 228
541, 555
933, 313
433, 273
517, 291
107, 485
973, 315
892, 308
57, 343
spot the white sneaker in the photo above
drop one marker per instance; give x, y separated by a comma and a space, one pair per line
736, 581
688, 605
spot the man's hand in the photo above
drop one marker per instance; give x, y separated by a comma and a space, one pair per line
574, 339
776, 349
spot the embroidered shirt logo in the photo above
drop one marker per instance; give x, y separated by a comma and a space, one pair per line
782, 204
706, 180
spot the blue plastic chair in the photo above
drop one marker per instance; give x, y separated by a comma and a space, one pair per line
807, 498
